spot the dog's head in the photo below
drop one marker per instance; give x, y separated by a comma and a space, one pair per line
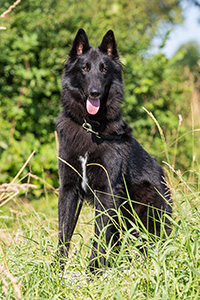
94, 74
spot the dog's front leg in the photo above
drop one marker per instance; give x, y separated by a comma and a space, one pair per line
67, 215
106, 231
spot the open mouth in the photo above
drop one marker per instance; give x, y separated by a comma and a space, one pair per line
92, 105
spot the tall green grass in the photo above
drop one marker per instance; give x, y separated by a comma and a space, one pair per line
28, 240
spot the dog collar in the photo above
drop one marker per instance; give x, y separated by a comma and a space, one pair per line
88, 127
111, 137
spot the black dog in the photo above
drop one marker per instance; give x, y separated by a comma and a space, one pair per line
94, 139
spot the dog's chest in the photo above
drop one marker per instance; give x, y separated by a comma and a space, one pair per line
91, 168
83, 160
94, 167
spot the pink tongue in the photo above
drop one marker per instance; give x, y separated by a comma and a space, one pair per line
92, 106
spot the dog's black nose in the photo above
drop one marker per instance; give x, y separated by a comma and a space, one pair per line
94, 93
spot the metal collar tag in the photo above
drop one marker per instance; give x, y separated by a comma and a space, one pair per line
88, 127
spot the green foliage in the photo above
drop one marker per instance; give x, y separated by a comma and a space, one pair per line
191, 56
156, 84
33, 50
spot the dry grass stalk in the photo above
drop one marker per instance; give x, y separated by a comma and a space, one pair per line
16, 286
7, 198
9, 191
6, 272
24, 166
4, 194
13, 187
5, 286
178, 173
193, 81
45, 182
10, 8
8, 11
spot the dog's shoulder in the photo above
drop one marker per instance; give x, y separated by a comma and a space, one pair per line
62, 123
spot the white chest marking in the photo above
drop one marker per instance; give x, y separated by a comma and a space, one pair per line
83, 160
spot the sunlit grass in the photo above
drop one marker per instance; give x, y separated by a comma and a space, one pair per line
28, 240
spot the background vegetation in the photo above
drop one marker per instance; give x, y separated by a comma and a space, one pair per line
33, 49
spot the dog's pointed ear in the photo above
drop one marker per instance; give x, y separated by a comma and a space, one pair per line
109, 45
80, 44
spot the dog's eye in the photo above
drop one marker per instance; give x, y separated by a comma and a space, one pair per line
85, 69
102, 68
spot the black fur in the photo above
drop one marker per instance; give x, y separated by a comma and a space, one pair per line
95, 76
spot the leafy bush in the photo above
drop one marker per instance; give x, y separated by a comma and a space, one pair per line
33, 50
